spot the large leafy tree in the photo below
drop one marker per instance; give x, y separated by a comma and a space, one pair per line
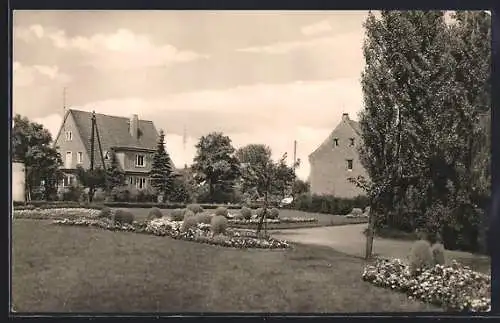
161, 169
115, 176
422, 105
32, 145
215, 165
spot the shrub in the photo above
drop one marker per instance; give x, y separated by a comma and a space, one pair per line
99, 196
328, 203
420, 257
195, 208
218, 224
177, 215
259, 212
105, 213
123, 216
154, 213
438, 254
274, 213
221, 211
204, 218
72, 193
188, 213
356, 211
246, 213
190, 221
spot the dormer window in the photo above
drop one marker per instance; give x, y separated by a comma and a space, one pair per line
139, 161
336, 142
69, 136
351, 142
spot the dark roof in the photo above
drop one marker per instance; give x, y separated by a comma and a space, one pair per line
114, 131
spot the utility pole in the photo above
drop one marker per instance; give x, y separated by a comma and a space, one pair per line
184, 141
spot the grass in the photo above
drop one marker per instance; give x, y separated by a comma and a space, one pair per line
74, 269
323, 219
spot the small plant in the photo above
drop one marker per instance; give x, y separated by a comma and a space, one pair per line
123, 216
357, 212
105, 213
274, 213
221, 211
420, 257
246, 213
195, 208
190, 221
218, 224
154, 213
188, 214
177, 215
204, 218
438, 254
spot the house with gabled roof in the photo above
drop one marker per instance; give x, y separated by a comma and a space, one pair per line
131, 139
337, 159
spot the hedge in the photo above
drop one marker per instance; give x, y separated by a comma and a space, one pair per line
328, 204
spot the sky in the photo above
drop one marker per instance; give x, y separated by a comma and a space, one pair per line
257, 76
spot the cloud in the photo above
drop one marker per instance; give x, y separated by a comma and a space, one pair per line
316, 28
121, 49
274, 114
335, 44
27, 75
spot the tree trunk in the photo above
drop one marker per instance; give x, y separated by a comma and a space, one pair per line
259, 227
369, 236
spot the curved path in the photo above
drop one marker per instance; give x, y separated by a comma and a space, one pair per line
349, 239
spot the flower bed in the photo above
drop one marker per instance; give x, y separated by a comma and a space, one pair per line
47, 214
455, 287
273, 221
163, 227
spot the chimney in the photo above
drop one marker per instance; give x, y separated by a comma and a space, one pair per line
345, 116
133, 125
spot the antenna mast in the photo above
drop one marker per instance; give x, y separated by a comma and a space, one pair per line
184, 140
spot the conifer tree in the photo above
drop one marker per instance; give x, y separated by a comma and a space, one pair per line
161, 168
114, 174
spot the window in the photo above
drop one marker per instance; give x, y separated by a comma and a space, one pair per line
131, 180
69, 157
140, 182
349, 164
139, 161
335, 142
69, 136
79, 157
106, 155
69, 180
351, 142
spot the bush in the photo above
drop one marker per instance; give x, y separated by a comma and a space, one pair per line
274, 213
188, 213
420, 257
123, 216
190, 221
72, 193
259, 212
204, 218
195, 208
221, 211
438, 254
328, 204
105, 213
154, 213
218, 224
246, 213
99, 196
177, 215
357, 211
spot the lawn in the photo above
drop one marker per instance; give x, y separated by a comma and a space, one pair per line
323, 219
75, 269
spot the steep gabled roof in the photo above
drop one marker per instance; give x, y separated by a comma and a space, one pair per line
328, 141
114, 131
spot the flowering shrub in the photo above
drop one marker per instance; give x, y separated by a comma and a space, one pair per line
190, 221
420, 257
106, 213
274, 221
222, 211
242, 239
246, 213
219, 224
455, 288
154, 213
41, 214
